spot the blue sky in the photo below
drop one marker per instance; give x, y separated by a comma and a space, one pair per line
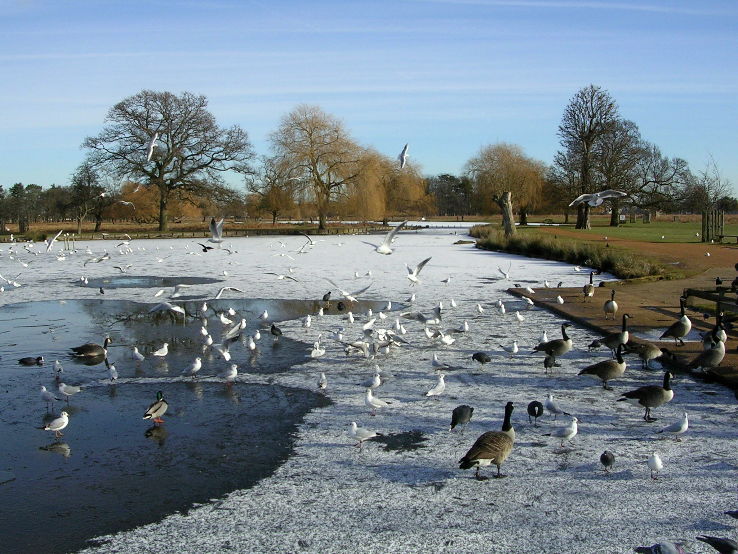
447, 76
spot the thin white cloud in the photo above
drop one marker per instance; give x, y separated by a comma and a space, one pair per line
591, 5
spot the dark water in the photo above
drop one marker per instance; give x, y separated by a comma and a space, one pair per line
125, 281
111, 470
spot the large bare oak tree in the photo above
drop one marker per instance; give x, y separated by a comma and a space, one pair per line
191, 154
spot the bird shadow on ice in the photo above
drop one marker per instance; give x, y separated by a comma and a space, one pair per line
596, 474
416, 475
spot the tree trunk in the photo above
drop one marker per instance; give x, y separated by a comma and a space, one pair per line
274, 217
79, 225
22, 224
566, 216
615, 214
163, 212
98, 222
583, 216
508, 220
523, 216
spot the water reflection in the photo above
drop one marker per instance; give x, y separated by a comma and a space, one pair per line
157, 433
57, 448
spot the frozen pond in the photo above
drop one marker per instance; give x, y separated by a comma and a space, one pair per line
403, 492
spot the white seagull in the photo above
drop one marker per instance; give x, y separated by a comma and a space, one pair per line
412, 274
194, 367
58, 424
373, 402
216, 231
402, 158
439, 388
677, 428
598, 197
384, 248
655, 465
565, 433
163, 351
361, 434
152, 145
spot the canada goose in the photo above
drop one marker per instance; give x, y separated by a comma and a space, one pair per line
607, 369
724, 546
492, 447
610, 307
92, 350
650, 396
565, 433
613, 340
535, 410
157, 409
556, 347
709, 358
717, 333
461, 415
39, 360
646, 351
680, 328
607, 459
589, 289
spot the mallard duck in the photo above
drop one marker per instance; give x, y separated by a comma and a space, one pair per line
39, 360
157, 409
92, 350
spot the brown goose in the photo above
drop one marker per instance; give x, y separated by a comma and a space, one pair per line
607, 369
650, 396
680, 328
556, 347
610, 307
492, 447
589, 289
646, 351
613, 340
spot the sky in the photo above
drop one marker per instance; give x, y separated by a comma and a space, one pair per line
446, 76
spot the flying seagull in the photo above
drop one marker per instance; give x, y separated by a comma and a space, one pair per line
384, 248
403, 157
598, 197
216, 230
412, 274
152, 145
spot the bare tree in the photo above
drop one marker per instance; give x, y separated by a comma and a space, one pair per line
274, 189
190, 152
86, 193
503, 173
616, 156
588, 117
659, 181
314, 148
705, 189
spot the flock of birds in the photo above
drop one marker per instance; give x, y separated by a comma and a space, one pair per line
378, 337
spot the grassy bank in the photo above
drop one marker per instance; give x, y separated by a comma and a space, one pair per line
622, 263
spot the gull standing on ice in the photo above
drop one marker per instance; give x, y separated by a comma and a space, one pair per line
193, 369
322, 382
439, 388
655, 465
373, 402
58, 424
162, 352
565, 433
677, 428
551, 405
361, 434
